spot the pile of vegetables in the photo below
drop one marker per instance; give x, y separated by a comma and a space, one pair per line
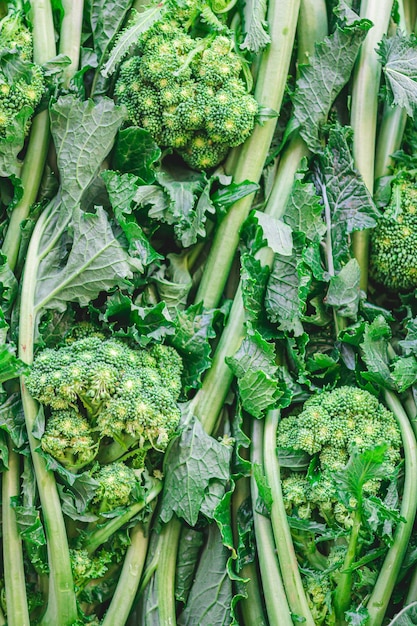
208, 318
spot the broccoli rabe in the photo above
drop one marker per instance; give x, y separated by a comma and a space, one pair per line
345, 455
21, 80
98, 390
393, 257
188, 91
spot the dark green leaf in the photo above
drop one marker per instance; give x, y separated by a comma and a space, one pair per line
136, 152
329, 70
254, 278
361, 467
344, 290
375, 352
12, 142
189, 549
192, 462
286, 293
211, 595
106, 20
398, 55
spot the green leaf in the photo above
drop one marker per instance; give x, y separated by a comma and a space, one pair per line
344, 290
138, 24
254, 366
350, 203
398, 55
404, 372
136, 152
193, 331
192, 462
361, 467
276, 233
174, 282
256, 35
10, 366
106, 18
96, 262
12, 142
211, 595
83, 134
230, 192
375, 352
303, 212
406, 617
189, 549
286, 293
328, 72
254, 278
12, 421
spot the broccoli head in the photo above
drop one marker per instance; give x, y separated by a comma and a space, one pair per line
21, 81
393, 257
187, 92
99, 390
330, 427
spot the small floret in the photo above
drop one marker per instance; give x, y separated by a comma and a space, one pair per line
117, 486
68, 438
393, 257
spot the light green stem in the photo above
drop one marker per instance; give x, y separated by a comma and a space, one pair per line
290, 572
270, 86
103, 533
128, 583
274, 592
14, 573
34, 162
165, 571
381, 593
70, 39
343, 593
62, 608
364, 112
312, 27
391, 128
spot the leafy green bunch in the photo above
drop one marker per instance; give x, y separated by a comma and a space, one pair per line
187, 91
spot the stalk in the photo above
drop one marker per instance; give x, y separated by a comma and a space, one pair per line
343, 594
14, 573
62, 608
282, 19
294, 589
277, 608
70, 39
103, 533
381, 594
128, 583
365, 89
35, 158
394, 119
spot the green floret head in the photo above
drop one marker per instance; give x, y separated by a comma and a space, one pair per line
68, 438
15, 35
187, 93
393, 257
117, 486
116, 391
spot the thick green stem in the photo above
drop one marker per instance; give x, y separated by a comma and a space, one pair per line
364, 112
165, 571
35, 158
381, 594
296, 596
277, 608
391, 128
102, 534
14, 573
62, 608
312, 27
128, 583
70, 39
343, 593
270, 86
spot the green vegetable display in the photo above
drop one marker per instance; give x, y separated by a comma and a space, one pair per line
208, 319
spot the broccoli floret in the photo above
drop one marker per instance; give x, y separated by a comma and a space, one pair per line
21, 81
187, 92
117, 486
393, 256
109, 391
69, 439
